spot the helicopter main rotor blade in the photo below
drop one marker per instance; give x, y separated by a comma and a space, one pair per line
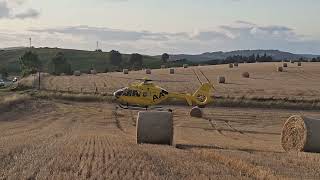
207, 79
141, 79
157, 80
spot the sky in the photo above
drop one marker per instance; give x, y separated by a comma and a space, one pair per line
158, 26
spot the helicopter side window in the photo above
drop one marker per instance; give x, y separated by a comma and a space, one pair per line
130, 93
145, 94
136, 93
125, 92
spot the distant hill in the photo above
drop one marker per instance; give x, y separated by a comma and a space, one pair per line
79, 60
12, 48
275, 54
84, 60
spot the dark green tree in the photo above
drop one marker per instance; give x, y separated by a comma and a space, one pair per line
136, 60
29, 63
3, 73
252, 58
59, 64
258, 58
165, 57
115, 58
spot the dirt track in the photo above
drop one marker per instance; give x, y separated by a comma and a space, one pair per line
63, 140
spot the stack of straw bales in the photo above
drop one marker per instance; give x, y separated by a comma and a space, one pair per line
154, 127
77, 73
246, 75
301, 134
221, 79
126, 71
196, 112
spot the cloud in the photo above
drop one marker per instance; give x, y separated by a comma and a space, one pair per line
30, 13
240, 35
7, 10
104, 34
4, 10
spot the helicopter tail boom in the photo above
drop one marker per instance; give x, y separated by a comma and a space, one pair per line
200, 98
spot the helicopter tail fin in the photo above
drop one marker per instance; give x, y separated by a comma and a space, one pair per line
203, 95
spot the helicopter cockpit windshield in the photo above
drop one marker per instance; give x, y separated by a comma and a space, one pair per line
120, 92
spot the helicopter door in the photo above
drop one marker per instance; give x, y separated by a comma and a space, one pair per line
146, 97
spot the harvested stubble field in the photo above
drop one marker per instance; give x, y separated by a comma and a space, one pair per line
59, 139
295, 83
70, 140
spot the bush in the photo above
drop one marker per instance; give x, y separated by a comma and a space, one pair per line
59, 65
29, 63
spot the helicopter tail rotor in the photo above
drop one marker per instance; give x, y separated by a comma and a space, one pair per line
203, 95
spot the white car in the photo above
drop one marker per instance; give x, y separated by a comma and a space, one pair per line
15, 79
1, 83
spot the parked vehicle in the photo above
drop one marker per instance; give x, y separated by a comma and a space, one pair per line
1, 83
15, 79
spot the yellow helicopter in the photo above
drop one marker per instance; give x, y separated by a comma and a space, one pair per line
146, 94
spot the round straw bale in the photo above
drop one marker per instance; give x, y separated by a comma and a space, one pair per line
126, 71
171, 71
299, 64
285, 65
148, 71
280, 69
155, 127
236, 65
77, 73
301, 134
196, 112
246, 75
185, 66
221, 79
93, 71
230, 65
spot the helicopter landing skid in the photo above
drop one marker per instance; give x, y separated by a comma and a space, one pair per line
155, 108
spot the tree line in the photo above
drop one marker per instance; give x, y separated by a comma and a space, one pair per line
59, 64
242, 59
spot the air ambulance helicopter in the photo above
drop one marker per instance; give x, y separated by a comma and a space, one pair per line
146, 94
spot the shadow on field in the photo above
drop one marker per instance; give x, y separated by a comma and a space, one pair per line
232, 130
236, 84
214, 147
258, 78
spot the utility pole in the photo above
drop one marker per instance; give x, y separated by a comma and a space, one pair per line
30, 43
39, 87
97, 45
